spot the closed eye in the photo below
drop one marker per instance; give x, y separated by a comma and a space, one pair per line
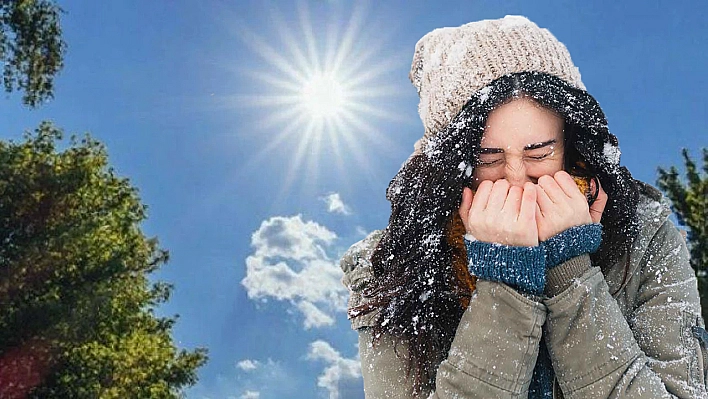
540, 157
488, 163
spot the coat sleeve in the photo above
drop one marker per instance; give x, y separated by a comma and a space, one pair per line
597, 353
495, 347
492, 355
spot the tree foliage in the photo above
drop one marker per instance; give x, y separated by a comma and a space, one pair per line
689, 201
77, 317
31, 48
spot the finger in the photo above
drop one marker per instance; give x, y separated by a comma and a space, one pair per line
568, 185
527, 211
465, 205
481, 196
544, 202
539, 214
598, 206
467, 197
552, 189
540, 222
512, 204
498, 195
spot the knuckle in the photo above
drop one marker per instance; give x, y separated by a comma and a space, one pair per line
561, 174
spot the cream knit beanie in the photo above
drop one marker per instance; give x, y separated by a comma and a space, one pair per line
451, 64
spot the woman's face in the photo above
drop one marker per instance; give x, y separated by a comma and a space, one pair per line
522, 142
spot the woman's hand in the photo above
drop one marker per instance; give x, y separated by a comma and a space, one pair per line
598, 206
500, 213
561, 205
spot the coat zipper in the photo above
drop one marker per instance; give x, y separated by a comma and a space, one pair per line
555, 384
702, 335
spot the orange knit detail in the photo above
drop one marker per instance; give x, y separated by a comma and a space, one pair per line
464, 282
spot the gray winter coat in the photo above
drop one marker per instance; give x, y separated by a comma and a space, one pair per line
638, 343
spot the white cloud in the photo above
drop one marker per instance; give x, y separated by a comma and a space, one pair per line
342, 376
291, 237
290, 263
271, 379
251, 395
336, 205
314, 317
248, 364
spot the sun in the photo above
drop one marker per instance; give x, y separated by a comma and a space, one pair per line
321, 83
324, 97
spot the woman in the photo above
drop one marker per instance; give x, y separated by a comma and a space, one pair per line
553, 292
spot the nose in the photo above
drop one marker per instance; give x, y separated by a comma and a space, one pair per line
515, 173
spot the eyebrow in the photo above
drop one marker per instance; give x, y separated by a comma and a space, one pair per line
528, 147
539, 145
491, 151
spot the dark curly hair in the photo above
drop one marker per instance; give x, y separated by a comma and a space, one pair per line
421, 295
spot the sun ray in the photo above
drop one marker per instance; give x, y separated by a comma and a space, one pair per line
262, 48
269, 151
261, 100
342, 143
368, 109
301, 61
311, 44
277, 82
331, 44
298, 159
350, 34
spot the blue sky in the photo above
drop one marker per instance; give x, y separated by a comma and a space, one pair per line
201, 105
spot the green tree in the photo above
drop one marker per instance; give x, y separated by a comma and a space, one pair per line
689, 202
31, 48
77, 318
